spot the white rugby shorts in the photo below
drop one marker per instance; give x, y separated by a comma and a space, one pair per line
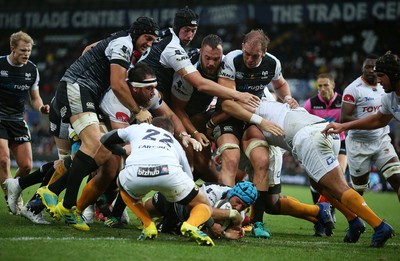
361, 154
171, 181
316, 152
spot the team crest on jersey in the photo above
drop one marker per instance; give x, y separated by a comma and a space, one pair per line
348, 98
239, 75
28, 76
122, 116
178, 52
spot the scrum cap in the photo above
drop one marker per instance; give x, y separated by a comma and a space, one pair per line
144, 25
389, 64
185, 17
244, 190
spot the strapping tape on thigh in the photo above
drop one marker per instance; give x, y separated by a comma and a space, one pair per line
254, 144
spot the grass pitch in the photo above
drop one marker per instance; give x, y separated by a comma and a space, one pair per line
291, 239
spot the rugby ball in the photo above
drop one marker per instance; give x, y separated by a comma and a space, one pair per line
224, 204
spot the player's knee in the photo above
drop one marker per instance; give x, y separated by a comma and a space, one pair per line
4, 162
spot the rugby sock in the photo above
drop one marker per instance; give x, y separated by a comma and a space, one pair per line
137, 207
356, 203
82, 165
119, 207
35, 177
259, 206
199, 215
297, 209
348, 214
60, 184
61, 169
47, 176
90, 194
315, 195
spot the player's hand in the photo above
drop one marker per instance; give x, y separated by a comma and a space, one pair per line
144, 116
186, 140
291, 101
216, 231
249, 99
45, 109
271, 127
200, 137
333, 128
234, 233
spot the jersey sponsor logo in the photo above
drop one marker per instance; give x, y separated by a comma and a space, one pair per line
152, 171
371, 108
178, 52
4, 73
124, 49
122, 116
227, 75
252, 87
22, 87
348, 98
369, 98
182, 58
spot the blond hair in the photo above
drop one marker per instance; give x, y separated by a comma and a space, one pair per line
257, 36
20, 36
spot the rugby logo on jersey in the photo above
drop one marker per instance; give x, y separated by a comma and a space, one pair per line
28, 76
4, 73
348, 98
122, 116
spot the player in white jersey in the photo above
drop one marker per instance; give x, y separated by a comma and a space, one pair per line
158, 162
300, 132
240, 197
387, 68
361, 99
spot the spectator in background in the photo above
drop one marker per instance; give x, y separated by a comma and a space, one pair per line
19, 79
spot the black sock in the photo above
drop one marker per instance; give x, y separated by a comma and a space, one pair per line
315, 196
60, 184
36, 176
118, 208
259, 206
82, 165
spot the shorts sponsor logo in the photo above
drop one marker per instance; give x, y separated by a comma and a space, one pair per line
152, 171
330, 160
63, 111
